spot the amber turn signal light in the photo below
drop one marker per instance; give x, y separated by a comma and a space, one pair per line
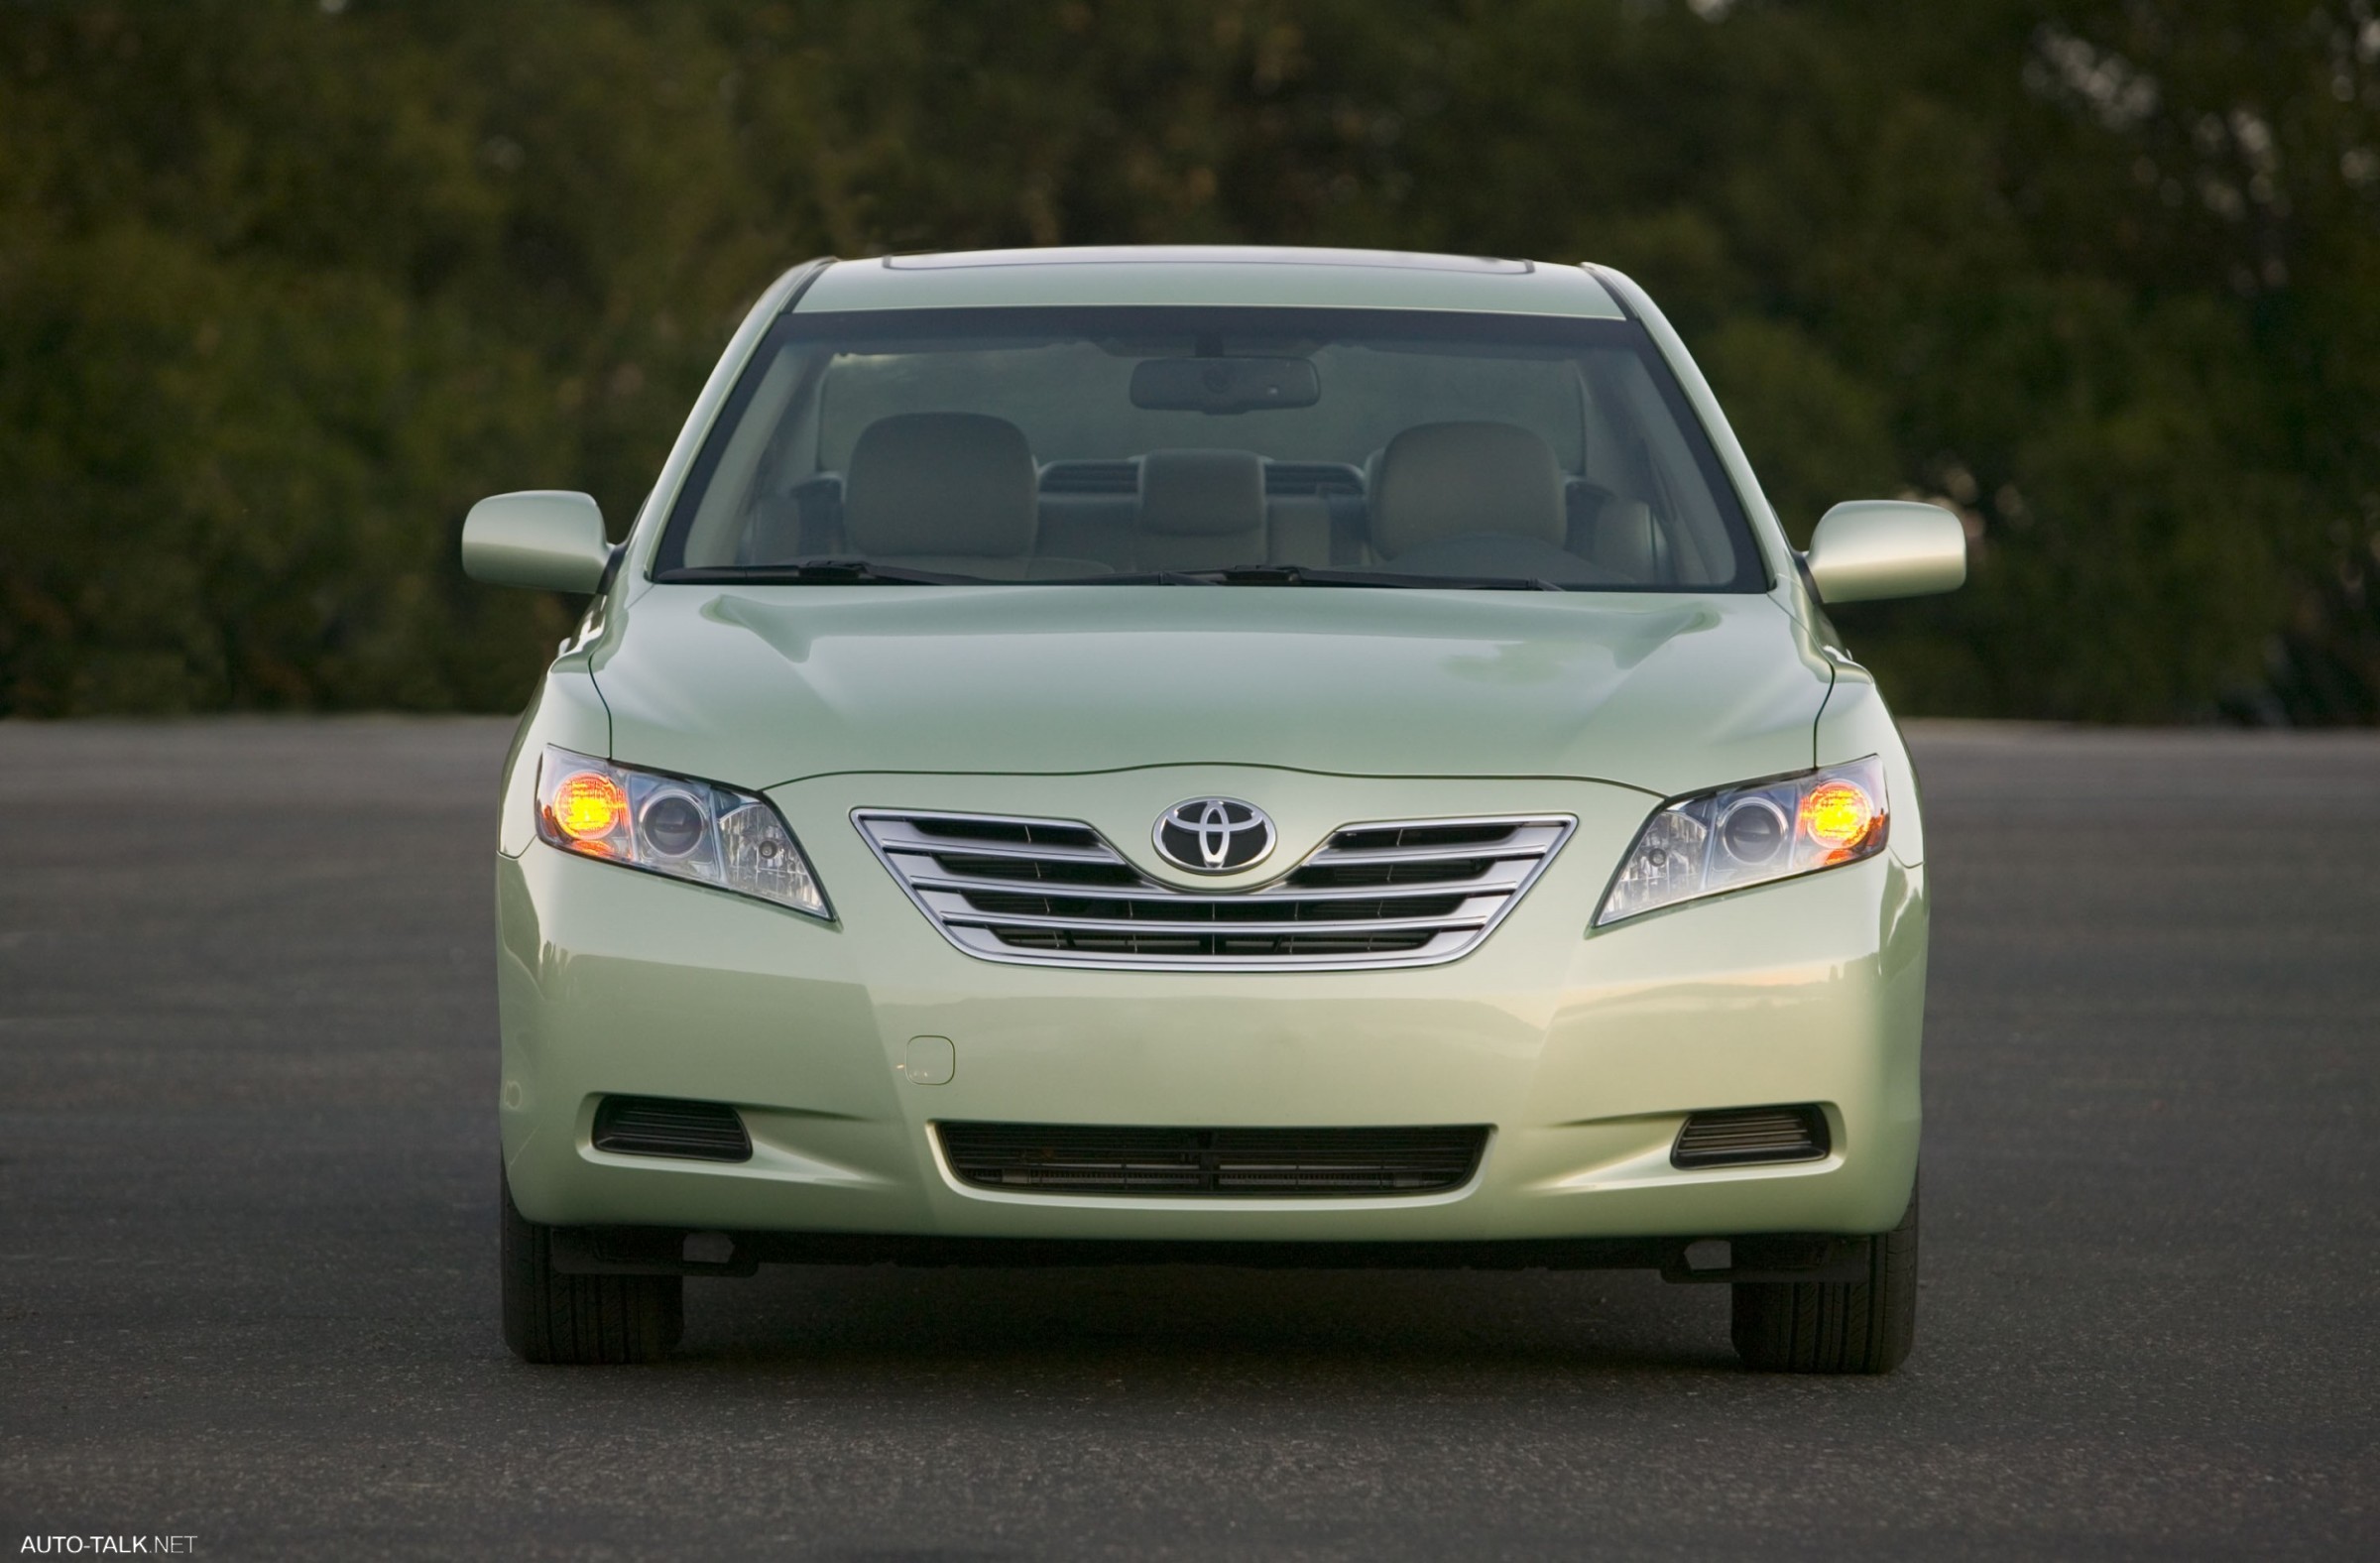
1837, 816
588, 807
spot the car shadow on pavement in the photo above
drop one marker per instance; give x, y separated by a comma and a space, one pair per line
1196, 1320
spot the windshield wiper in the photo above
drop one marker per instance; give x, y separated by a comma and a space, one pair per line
860, 572
819, 572
1300, 575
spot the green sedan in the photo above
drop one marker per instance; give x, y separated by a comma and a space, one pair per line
1210, 756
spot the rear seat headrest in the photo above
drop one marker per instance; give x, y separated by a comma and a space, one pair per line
941, 483
1447, 480
1202, 493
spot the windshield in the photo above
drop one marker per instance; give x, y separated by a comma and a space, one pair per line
1210, 447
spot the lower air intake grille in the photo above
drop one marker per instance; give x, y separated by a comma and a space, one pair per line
656, 1126
1077, 1159
1750, 1133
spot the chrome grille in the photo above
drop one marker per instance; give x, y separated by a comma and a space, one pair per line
1054, 892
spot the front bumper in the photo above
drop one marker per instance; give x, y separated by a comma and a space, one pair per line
1583, 1052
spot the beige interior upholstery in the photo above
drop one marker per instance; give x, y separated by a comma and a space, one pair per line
1623, 539
1298, 532
953, 490
1201, 509
1438, 481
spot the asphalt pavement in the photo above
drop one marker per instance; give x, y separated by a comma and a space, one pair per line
247, 1231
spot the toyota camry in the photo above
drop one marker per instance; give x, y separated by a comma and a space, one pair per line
1210, 756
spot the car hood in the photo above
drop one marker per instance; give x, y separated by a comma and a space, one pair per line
760, 686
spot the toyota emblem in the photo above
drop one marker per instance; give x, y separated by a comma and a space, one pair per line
1214, 835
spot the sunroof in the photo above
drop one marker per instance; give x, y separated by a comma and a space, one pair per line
1206, 255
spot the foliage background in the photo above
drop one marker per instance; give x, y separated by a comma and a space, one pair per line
284, 284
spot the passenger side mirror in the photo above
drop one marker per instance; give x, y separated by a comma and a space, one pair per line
1887, 547
543, 539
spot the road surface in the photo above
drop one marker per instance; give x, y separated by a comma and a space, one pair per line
247, 1241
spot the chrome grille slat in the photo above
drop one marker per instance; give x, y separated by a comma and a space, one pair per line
1533, 842
1364, 897
977, 938
1497, 879
926, 846
982, 920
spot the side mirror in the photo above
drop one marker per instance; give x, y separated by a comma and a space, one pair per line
1887, 547
542, 538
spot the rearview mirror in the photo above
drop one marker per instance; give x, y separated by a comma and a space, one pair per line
543, 539
1887, 547
1224, 384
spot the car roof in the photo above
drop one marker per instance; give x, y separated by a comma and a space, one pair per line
1196, 274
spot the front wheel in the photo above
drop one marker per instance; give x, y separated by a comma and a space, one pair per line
551, 1317
1835, 1326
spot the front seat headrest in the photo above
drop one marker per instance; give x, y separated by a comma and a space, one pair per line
1202, 493
1449, 480
941, 483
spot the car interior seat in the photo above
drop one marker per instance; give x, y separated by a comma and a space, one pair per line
806, 519
948, 491
1615, 533
1438, 484
1201, 509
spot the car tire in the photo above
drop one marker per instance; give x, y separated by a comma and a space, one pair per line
550, 1317
1842, 1326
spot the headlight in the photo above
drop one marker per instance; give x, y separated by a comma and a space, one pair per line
665, 824
1736, 836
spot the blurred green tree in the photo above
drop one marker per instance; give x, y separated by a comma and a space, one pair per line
285, 286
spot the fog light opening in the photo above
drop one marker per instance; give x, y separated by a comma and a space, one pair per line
1742, 1135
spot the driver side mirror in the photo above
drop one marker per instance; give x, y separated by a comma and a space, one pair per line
1887, 547
542, 538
